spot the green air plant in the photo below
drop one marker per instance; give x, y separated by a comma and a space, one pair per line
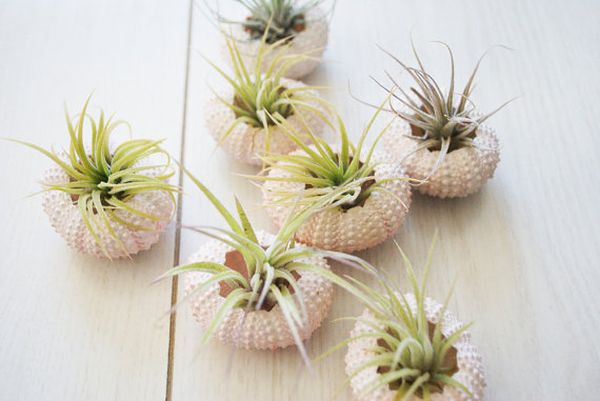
374, 195
408, 345
109, 201
442, 132
256, 290
243, 118
301, 25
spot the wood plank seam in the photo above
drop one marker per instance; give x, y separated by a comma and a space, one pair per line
177, 248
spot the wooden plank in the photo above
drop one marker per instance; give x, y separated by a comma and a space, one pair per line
75, 328
524, 250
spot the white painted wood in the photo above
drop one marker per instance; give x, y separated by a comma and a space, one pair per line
524, 250
72, 327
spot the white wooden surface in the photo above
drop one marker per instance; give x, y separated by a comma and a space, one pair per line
525, 250
72, 327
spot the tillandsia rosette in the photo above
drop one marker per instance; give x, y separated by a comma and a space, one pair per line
299, 28
374, 193
242, 117
439, 137
255, 290
106, 200
408, 347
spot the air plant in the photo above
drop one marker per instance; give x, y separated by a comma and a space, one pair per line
441, 139
374, 194
301, 25
407, 346
109, 201
278, 19
256, 290
243, 118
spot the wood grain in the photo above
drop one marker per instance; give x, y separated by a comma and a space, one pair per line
524, 251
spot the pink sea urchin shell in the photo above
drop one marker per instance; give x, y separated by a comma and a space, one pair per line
470, 367
246, 143
351, 230
66, 219
257, 329
310, 42
463, 172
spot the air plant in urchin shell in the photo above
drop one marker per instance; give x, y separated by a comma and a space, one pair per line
300, 26
439, 137
108, 201
374, 193
255, 290
241, 117
408, 347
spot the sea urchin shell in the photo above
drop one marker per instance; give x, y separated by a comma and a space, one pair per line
254, 329
66, 219
310, 42
247, 143
357, 228
470, 367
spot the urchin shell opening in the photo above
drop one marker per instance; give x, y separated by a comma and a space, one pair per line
297, 25
238, 103
420, 133
359, 201
103, 194
235, 261
450, 362
454, 145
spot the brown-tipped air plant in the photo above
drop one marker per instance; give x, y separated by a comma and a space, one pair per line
439, 137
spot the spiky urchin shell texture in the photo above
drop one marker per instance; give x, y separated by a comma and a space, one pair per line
355, 229
66, 219
310, 42
246, 143
470, 366
463, 172
257, 329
